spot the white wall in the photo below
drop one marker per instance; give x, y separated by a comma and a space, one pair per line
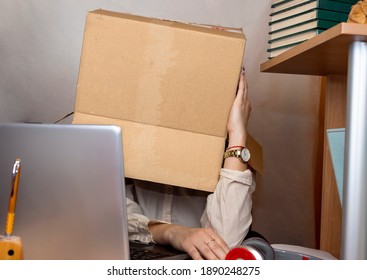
40, 47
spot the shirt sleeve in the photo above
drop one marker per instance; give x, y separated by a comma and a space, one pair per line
228, 209
137, 221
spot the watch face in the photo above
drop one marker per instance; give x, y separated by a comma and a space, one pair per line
245, 155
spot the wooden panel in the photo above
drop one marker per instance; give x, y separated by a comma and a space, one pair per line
325, 55
331, 211
336, 100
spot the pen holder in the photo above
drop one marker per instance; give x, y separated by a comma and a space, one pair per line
11, 248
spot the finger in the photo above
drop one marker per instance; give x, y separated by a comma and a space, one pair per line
194, 254
245, 85
207, 252
241, 85
216, 245
201, 249
223, 245
217, 249
244, 94
218, 239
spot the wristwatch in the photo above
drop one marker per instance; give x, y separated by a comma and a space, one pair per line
242, 154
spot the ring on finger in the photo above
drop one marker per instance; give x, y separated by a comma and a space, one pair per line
207, 243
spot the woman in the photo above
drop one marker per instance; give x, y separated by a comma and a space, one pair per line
205, 226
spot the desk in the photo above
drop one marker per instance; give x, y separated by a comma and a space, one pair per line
339, 54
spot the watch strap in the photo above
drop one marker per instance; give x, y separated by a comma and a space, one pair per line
235, 152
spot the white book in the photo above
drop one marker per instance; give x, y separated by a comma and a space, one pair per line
299, 28
297, 38
276, 52
277, 1
292, 21
294, 11
287, 4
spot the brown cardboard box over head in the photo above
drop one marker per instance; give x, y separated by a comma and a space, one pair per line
169, 85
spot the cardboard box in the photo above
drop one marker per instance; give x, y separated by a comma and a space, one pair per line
169, 85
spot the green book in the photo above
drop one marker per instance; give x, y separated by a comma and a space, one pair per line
286, 10
302, 26
310, 15
346, 1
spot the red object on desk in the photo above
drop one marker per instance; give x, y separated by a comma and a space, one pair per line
241, 253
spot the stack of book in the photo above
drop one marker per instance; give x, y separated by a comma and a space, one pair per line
295, 21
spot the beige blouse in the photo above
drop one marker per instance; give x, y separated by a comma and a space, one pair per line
227, 210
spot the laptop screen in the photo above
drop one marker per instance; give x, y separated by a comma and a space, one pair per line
71, 196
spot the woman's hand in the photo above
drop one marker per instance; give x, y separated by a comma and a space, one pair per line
199, 243
239, 115
237, 123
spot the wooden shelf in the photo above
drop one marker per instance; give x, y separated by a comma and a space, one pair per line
328, 54
324, 54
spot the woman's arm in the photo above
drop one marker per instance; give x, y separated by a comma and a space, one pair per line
219, 217
228, 209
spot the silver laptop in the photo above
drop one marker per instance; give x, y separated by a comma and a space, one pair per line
71, 196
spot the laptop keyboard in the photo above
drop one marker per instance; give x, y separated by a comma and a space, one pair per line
143, 254
140, 251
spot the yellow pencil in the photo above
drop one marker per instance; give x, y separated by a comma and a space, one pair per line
13, 198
